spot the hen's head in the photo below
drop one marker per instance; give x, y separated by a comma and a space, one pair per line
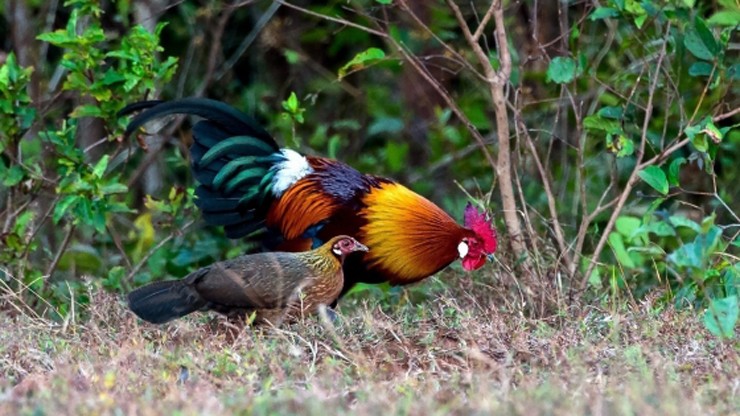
343, 245
481, 242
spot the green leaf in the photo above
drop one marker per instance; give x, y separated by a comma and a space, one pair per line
706, 35
701, 69
700, 41
725, 18
640, 20
721, 316
57, 38
101, 166
291, 104
603, 13
612, 112
712, 131
659, 228
679, 221
700, 143
655, 177
14, 176
361, 60
62, 206
333, 147
111, 77
115, 277
385, 125
82, 257
674, 169
87, 110
292, 56
561, 70
627, 225
114, 188
384, 1
622, 145
396, 153
733, 72
620, 252
595, 122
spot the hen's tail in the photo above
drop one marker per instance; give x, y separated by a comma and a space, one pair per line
233, 158
161, 302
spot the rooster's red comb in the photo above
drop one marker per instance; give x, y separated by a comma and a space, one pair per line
482, 224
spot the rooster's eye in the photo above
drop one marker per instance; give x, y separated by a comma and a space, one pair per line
463, 248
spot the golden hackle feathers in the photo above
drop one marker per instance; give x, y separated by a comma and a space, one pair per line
409, 237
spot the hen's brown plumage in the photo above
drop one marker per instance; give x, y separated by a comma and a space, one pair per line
274, 285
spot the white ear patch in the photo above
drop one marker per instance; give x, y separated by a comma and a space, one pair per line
289, 171
336, 251
463, 249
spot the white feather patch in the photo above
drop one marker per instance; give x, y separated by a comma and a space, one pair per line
463, 249
289, 171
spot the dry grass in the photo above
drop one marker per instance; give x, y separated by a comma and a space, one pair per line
456, 352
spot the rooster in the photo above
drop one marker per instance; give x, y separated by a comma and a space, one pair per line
289, 202
272, 285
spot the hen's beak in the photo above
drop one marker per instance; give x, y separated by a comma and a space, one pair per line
361, 247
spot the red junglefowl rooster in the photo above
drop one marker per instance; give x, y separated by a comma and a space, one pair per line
290, 202
275, 285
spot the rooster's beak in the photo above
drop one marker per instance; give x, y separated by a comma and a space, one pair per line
361, 247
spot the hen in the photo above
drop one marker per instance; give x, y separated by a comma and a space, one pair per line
275, 286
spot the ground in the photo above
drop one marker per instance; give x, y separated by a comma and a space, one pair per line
457, 350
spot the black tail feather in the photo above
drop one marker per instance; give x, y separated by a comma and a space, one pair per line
239, 200
229, 119
162, 302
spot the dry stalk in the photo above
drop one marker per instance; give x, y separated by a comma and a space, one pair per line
497, 84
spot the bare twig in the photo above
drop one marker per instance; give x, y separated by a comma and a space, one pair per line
552, 205
52, 267
728, 114
117, 242
334, 19
484, 22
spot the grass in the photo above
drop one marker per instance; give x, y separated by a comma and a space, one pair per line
456, 351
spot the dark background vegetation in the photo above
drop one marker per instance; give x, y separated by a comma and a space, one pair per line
620, 116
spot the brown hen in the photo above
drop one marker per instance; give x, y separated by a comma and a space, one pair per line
275, 286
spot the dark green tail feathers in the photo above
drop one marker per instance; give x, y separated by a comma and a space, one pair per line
232, 159
162, 302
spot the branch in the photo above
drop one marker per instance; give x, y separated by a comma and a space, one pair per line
497, 82
729, 114
52, 267
484, 22
551, 204
334, 19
